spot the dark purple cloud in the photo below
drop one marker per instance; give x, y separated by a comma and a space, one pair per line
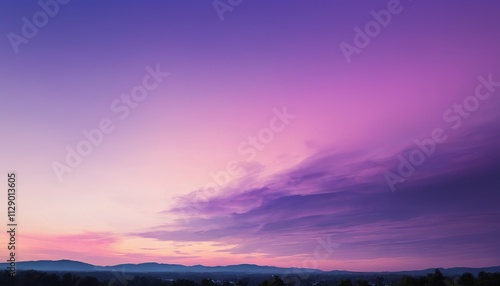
447, 209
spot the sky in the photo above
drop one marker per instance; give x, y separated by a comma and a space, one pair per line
332, 135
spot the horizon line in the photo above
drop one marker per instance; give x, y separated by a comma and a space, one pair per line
316, 269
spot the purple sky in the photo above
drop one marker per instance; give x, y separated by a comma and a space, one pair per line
208, 168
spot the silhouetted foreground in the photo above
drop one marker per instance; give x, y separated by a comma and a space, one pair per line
37, 278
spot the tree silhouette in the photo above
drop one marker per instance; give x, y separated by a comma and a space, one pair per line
363, 282
379, 281
436, 279
346, 282
207, 282
467, 279
275, 281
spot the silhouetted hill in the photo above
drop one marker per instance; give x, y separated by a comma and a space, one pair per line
76, 266
50, 265
451, 271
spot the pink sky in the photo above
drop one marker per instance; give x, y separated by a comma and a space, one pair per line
139, 195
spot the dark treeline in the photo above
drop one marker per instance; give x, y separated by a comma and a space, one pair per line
37, 278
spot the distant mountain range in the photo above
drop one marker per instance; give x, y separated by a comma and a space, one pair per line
76, 266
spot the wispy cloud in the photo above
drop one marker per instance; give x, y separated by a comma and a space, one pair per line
447, 206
